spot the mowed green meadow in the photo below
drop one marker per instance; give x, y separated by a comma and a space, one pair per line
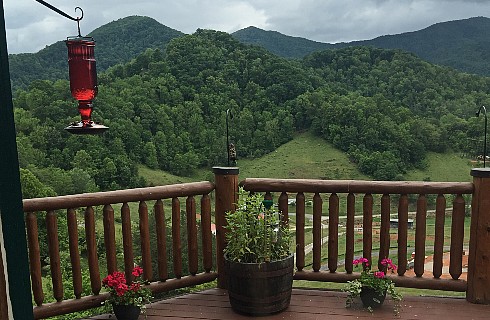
310, 157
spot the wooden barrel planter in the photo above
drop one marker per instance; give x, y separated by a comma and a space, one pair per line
260, 288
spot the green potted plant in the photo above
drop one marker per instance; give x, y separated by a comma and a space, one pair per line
127, 300
372, 286
257, 257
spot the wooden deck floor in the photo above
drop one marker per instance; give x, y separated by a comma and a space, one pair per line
312, 305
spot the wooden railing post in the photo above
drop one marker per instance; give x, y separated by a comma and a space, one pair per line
478, 290
226, 192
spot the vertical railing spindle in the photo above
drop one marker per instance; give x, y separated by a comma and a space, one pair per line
93, 260
127, 241
420, 231
145, 241
439, 236
176, 241
367, 227
34, 258
300, 231
54, 255
349, 229
284, 208
333, 232
384, 234
317, 232
207, 239
402, 234
109, 238
76, 270
190, 205
161, 240
457, 236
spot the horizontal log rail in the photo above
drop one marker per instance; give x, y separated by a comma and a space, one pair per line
118, 196
363, 191
406, 282
200, 260
355, 186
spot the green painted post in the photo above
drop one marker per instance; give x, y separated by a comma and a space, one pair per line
13, 225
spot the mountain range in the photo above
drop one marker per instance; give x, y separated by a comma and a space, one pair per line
462, 44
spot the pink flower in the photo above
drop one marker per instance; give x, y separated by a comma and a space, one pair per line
379, 274
361, 260
389, 263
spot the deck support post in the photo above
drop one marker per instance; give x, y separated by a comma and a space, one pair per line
14, 244
226, 194
479, 256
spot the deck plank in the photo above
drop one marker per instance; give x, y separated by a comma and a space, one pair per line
308, 304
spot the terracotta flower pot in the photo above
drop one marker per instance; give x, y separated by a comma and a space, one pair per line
126, 312
371, 298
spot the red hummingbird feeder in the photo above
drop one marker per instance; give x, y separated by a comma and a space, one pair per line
83, 81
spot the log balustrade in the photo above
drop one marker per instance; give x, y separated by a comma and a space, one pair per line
367, 191
51, 208
361, 201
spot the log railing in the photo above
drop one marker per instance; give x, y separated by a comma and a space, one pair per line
360, 200
51, 208
366, 192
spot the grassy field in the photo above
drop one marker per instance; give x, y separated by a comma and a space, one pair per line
310, 157
305, 157
444, 167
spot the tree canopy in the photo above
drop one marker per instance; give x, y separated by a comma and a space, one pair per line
167, 109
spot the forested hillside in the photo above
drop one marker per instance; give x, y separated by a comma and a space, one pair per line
280, 44
166, 109
116, 42
460, 44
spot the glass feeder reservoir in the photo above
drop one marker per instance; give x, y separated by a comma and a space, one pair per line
83, 83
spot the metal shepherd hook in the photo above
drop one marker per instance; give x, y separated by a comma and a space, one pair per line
77, 19
228, 115
485, 137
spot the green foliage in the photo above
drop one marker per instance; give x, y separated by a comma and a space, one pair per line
255, 232
458, 44
32, 187
167, 110
280, 44
117, 42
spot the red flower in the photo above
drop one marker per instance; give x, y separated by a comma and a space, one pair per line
137, 271
121, 289
123, 293
135, 286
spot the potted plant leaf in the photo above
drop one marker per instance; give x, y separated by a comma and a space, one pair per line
257, 257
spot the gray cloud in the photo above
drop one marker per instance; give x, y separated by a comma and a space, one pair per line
30, 26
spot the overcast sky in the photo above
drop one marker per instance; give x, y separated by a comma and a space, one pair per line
31, 26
